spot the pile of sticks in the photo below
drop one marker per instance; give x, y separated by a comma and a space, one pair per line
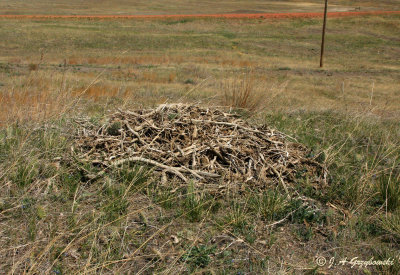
190, 142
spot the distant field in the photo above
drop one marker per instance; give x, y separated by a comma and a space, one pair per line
159, 59
186, 6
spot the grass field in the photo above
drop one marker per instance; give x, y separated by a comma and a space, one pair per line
52, 220
186, 6
163, 59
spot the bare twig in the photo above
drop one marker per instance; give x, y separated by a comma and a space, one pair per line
205, 143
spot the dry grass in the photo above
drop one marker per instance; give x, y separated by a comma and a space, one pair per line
158, 60
184, 6
97, 92
167, 59
54, 221
250, 93
38, 97
35, 98
242, 94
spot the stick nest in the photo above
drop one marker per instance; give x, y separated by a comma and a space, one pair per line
190, 142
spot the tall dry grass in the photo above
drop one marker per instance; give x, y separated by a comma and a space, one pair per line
32, 98
250, 92
38, 96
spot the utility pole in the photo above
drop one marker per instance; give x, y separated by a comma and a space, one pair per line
321, 62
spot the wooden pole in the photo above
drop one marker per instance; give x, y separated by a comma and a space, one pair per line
321, 62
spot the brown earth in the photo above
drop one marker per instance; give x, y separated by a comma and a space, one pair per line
238, 15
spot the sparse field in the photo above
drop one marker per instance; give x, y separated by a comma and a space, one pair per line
54, 220
186, 6
149, 61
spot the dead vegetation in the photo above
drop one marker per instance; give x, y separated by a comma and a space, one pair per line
105, 214
187, 141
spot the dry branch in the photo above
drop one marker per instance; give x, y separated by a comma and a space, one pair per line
189, 141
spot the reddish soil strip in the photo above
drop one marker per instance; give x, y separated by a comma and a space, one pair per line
257, 15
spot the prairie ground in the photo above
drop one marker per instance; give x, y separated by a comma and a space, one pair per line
150, 61
136, 7
53, 220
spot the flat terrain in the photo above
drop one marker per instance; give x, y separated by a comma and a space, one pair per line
214, 15
148, 59
141, 7
59, 75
